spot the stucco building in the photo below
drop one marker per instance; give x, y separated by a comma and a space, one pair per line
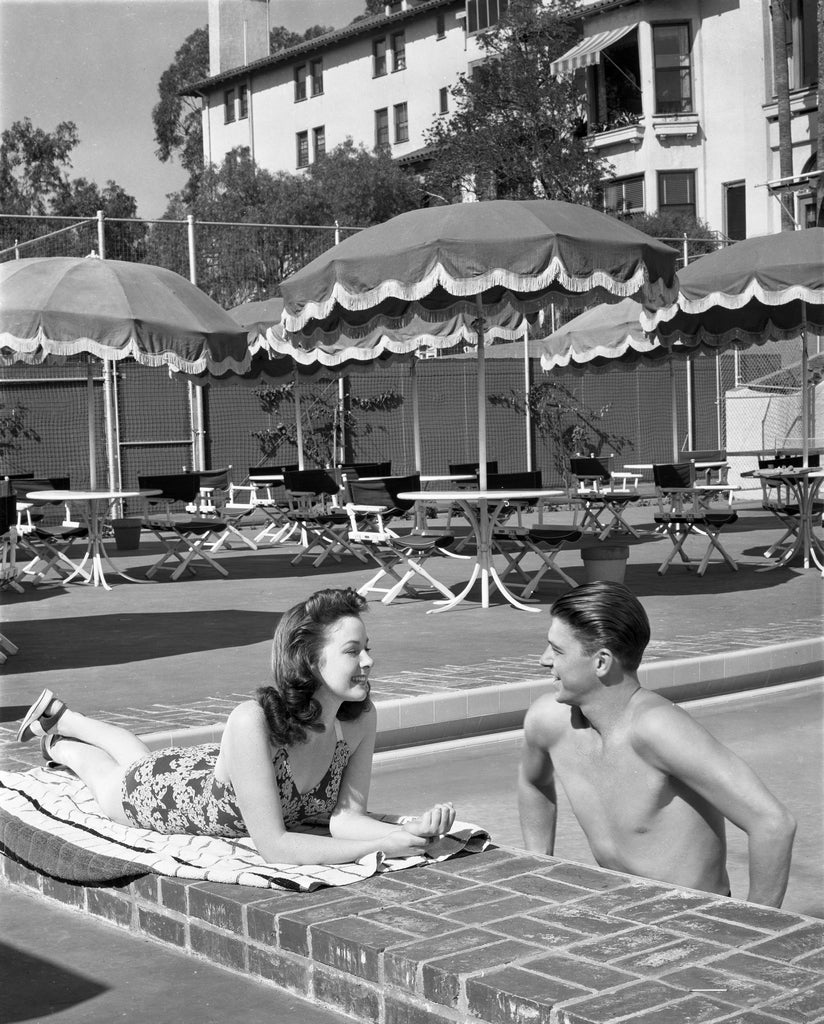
679, 98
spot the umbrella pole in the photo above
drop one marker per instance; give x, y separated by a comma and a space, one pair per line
416, 417
298, 421
805, 389
528, 416
92, 425
673, 409
479, 326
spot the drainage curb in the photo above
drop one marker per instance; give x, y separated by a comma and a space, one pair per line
428, 718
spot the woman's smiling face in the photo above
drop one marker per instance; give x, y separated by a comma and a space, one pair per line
345, 661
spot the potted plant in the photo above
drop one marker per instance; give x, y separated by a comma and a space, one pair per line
127, 533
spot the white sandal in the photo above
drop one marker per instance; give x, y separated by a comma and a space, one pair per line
42, 717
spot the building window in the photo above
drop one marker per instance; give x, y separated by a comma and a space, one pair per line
378, 58
673, 73
242, 101
319, 140
483, 14
735, 210
443, 95
624, 195
300, 82
399, 52
382, 128
303, 149
316, 68
676, 191
401, 123
228, 106
440, 25
613, 88
802, 37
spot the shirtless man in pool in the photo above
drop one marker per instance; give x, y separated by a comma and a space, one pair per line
650, 787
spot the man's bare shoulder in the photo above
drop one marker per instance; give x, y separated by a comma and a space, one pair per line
657, 723
545, 719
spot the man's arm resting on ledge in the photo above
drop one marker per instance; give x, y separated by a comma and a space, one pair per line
537, 800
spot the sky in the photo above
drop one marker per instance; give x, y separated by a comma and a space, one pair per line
98, 63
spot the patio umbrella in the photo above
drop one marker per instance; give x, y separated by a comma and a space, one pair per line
63, 307
753, 291
610, 337
469, 271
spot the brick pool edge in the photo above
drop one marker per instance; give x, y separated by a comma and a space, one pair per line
502, 937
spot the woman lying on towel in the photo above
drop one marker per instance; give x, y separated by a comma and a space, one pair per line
301, 749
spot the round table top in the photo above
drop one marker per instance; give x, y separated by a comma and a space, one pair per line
784, 471
477, 495
78, 495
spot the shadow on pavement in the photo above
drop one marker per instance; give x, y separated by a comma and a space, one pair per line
35, 988
97, 640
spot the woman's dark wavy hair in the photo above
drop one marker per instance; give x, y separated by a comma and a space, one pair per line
607, 615
288, 702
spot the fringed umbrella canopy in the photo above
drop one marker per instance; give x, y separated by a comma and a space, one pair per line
757, 290
110, 309
465, 272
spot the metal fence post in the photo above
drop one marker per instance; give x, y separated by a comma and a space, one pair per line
101, 235
195, 393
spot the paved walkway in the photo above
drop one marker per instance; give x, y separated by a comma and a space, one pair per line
169, 659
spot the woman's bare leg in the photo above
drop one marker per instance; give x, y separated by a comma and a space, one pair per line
122, 746
97, 769
98, 753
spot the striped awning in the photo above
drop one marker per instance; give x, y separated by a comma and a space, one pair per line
588, 51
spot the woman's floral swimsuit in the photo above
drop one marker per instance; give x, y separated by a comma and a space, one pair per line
175, 790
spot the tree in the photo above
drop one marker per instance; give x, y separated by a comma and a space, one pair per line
568, 425
352, 186
323, 420
672, 228
516, 131
33, 165
176, 118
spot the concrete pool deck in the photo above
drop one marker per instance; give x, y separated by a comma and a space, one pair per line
499, 936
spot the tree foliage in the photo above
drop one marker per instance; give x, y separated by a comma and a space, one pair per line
176, 119
34, 166
569, 426
672, 228
516, 130
323, 420
348, 185
34, 180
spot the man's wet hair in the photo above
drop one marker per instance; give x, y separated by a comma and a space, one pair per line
605, 614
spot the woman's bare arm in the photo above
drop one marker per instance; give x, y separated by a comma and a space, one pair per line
246, 753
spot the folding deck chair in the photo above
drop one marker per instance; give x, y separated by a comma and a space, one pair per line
266, 494
399, 557
681, 514
183, 536
314, 496
515, 541
46, 545
603, 493
213, 500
